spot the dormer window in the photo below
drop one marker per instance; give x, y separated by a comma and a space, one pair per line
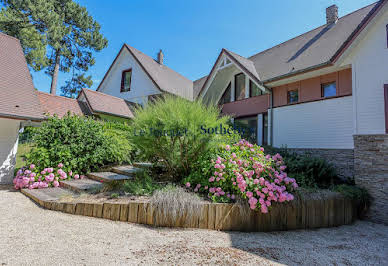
126, 77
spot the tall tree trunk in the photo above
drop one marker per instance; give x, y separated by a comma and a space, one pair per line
54, 78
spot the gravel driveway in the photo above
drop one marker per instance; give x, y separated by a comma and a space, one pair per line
31, 235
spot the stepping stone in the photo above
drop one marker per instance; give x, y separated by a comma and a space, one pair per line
81, 185
108, 176
143, 164
47, 194
127, 170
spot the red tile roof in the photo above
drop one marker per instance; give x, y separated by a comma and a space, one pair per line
18, 98
107, 104
60, 105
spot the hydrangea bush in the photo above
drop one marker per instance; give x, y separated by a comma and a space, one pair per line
243, 170
33, 178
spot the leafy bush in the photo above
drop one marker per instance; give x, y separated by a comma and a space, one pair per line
359, 195
171, 132
49, 177
80, 143
243, 170
119, 147
308, 170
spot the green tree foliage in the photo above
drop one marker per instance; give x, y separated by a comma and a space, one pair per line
56, 35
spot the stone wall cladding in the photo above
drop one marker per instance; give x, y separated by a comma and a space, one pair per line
341, 159
371, 172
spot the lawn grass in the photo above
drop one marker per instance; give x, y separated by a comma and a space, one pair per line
22, 150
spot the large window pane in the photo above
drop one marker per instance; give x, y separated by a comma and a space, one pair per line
249, 124
239, 84
226, 96
254, 90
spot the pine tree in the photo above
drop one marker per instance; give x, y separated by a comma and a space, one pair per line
56, 35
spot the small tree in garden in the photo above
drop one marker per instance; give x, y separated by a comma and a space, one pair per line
172, 131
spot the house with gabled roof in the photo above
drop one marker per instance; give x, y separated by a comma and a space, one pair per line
136, 77
314, 92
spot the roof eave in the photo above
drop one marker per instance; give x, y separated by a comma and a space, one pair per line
298, 72
20, 117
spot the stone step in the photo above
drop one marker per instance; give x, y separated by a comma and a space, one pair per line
142, 164
108, 176
47, 194
81, 185
127, 170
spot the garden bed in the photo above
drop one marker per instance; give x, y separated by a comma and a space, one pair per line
314, 210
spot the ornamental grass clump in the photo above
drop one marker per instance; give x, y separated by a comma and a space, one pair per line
244, 171
173, 133
33, 178
172, 202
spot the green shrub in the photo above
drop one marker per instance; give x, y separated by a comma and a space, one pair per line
358, 194
308, 170
80, 143
171, 132
119, 148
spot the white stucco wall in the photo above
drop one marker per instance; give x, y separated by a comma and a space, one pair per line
141, 84
322, 124
9, 131
369, 60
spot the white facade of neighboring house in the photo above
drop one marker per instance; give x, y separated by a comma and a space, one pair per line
141, 84
146, 78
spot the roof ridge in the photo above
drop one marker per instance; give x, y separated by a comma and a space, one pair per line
266, 50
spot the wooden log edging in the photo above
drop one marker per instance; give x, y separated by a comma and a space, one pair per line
333, 210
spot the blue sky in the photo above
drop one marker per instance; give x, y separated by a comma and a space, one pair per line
191, 33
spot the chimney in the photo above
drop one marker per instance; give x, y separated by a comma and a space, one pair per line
160, 57
332, 14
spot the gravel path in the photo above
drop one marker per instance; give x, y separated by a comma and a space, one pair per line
30, 235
